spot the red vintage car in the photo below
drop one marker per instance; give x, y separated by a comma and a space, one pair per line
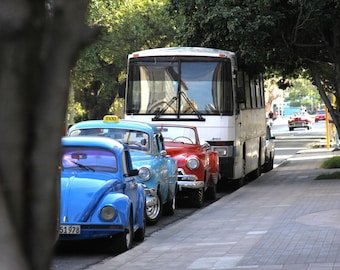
300, 120
198, 165
320, 115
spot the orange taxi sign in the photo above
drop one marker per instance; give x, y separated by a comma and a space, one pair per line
111, 118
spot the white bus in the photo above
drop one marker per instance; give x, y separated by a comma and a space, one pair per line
205, 88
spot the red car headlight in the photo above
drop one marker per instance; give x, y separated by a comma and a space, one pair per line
192, 163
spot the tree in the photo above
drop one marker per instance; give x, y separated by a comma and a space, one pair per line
271, 92
39, 45
303, 93
288, 36
127, 26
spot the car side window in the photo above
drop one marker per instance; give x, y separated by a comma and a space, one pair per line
160, 141
155, 145
127, 165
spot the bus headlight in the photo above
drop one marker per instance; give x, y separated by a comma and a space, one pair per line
192, 163
222, 152
107, 213
144, 173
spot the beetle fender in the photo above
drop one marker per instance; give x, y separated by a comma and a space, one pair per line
139, 218
121, 203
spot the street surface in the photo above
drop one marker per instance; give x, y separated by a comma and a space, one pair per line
289, 143
79, 256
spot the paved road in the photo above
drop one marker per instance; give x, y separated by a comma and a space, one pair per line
82, 256
283, 220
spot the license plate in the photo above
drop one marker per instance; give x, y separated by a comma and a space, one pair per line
69, 229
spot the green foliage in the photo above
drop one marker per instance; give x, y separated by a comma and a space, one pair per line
280, 35
126, 26
303, 93
330, 163
284, 37
328, 176
240, 26
79, 114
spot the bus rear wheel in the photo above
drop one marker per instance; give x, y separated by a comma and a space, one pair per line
237, 183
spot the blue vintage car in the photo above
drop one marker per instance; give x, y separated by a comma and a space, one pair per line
157, 171
100, 196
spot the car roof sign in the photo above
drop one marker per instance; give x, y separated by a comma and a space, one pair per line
111, 119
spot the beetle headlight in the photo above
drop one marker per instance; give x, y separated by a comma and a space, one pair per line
144, 173
192, 163
107, 213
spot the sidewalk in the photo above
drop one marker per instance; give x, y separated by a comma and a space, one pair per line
283, 220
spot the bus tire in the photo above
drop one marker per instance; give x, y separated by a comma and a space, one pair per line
269, 165
257, 172
236, 183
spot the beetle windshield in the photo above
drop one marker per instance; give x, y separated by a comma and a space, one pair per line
89, 158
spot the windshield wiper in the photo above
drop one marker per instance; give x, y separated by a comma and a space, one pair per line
189, 102
163, 110
83, 166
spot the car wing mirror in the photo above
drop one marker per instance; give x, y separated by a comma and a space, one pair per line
205, 145
133, 172
163, 153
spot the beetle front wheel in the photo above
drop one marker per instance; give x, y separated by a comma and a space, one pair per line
123, 241
140, 233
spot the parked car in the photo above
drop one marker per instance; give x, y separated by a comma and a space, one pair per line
320, 115
100, 196
198, 167
157, 171
270, 150
300, 120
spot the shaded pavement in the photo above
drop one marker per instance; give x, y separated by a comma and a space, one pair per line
285, 219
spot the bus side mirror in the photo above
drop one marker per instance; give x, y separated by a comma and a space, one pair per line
121, 89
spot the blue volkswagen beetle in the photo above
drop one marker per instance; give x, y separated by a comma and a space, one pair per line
100, 196
157, 171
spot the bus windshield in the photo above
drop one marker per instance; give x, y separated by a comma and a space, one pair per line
175, 86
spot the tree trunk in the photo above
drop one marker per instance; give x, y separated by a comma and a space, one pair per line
38, 48
334, 111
